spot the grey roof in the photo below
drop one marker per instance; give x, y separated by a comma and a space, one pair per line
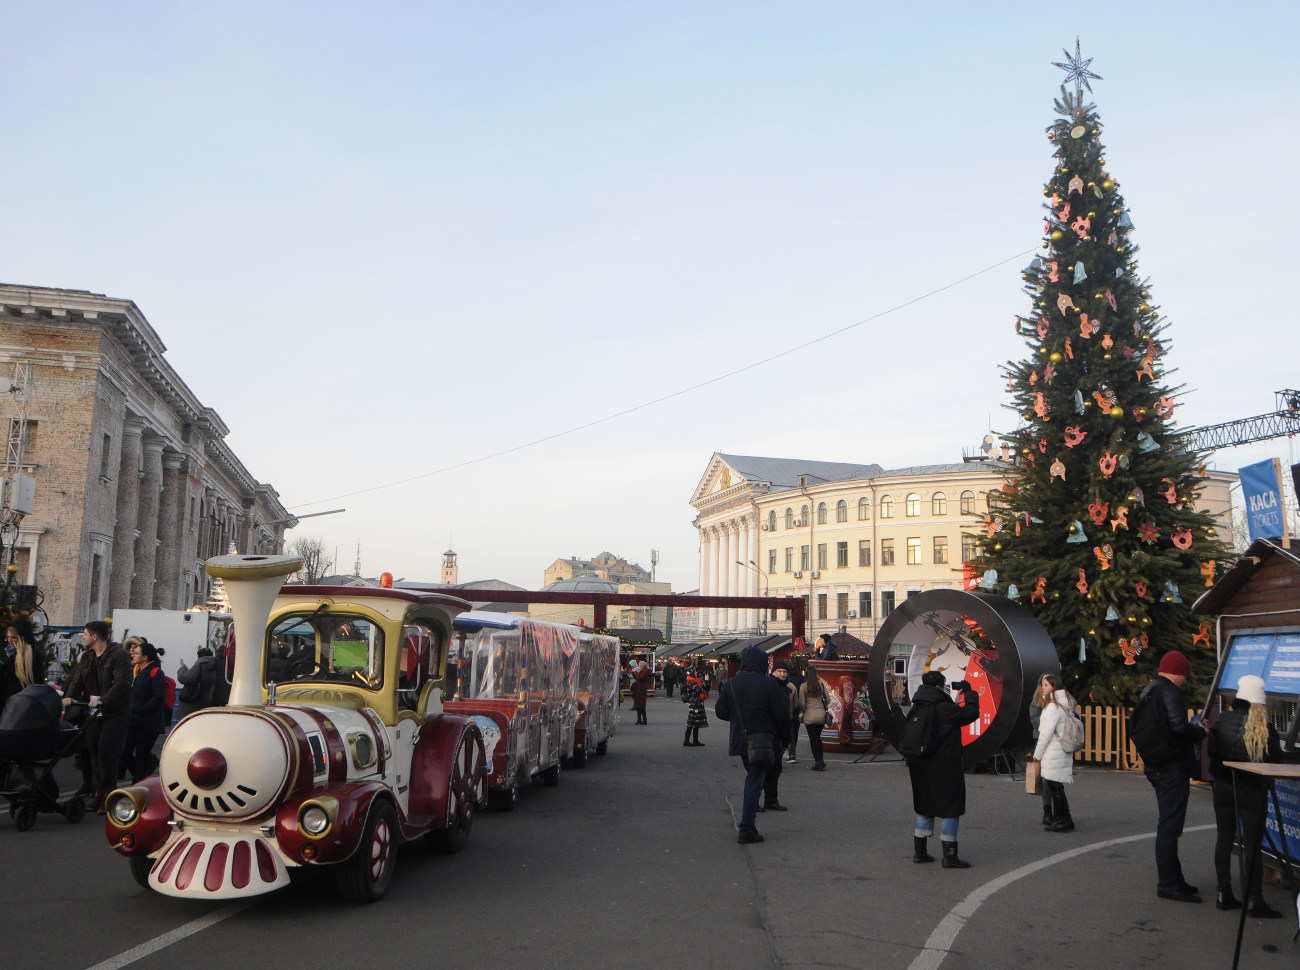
581, 584
922, 471
783, 473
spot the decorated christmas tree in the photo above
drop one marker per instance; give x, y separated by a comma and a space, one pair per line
1096, 531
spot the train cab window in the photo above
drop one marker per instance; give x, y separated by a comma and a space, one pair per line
330, 648
418, 664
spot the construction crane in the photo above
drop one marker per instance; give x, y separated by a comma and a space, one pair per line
1279, 423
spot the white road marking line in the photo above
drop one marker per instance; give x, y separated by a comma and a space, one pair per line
173, 936
941, 940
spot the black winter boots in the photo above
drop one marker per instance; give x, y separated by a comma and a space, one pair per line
950, 860
921, 853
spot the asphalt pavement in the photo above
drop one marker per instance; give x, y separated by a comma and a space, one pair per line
632, 862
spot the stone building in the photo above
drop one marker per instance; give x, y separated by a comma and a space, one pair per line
605, 566
135, 484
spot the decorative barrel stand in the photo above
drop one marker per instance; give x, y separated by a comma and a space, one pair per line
850, 705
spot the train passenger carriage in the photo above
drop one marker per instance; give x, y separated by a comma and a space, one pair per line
335, 747
518, 680
597, 681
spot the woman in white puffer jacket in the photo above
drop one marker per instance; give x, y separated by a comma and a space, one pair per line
1057, 764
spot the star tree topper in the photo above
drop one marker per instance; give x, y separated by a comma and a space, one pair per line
1076, 70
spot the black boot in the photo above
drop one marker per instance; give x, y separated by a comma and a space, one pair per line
686, 741
1048, 818
1224, 899
695, 738
920, 852
1262, 910
950, 860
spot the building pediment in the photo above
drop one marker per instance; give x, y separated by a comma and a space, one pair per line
719, 477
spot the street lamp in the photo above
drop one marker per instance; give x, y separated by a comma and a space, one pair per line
762, 614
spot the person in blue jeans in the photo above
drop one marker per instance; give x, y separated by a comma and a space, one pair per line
1167, 771
753, 703
939, 781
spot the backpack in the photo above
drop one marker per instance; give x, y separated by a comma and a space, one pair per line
920, 736
1070, 732
1149, 732
169, 693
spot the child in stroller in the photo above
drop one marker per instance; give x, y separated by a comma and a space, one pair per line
33, 737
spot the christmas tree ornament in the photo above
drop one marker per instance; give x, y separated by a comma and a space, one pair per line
1078, 131
1040, 590
1063, 302
1086, 329
1182, 538
1098, 511
1110, 298
992, 525
1108, 185
1104, 398
1207, 570
1165, 406
1073, 435
1040, 406
1013, 592
989, 579
1082, 584
1121, 519
1063, 215
1145, 371
1149, 532
1078, 402
1052, 275
1129, 650
1113, 239
1056, 357
1203, 635
1042, 445
1171, 493
1111, 615
1119, 270
1080, 273
1140, 588
1117, 412
1137, 416
1105, 554
1081, 226
1069, 351
1137, 497
1146, 443
1125, 222
1033, 378
1076, 533
1033, 269
1058, 469
1107, 464
1123, 461
1076, 70
1057, 235
1107, 342
1172, 593
1083, 651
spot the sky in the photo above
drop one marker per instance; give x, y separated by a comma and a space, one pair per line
502, 277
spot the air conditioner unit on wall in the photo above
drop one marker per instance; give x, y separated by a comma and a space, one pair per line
797, 524
798, 575
817, 574
764, 526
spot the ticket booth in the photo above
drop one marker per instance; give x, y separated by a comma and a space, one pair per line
1257, 603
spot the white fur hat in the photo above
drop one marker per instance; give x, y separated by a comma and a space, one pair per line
1251, 688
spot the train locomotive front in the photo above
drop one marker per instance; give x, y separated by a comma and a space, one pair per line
334, 748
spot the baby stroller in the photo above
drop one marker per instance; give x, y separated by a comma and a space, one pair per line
32, 737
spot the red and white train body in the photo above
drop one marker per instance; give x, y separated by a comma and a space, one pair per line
335, 747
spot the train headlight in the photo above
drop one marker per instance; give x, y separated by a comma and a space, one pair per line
316, 817
123, 809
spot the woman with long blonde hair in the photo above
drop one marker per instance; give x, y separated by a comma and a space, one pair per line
1242, 734
1057, 763
23, 661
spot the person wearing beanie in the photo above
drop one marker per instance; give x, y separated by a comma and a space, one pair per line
1242, 734
939, 781
1165, 763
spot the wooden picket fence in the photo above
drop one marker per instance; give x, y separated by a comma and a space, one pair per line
1107, 742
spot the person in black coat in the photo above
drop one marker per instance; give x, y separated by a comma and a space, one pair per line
148, 717
102, 681
753, 703
939, 781
1168, 775
1242, 734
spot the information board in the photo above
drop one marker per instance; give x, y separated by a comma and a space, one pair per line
1288, 842
1248, 653
1283, 676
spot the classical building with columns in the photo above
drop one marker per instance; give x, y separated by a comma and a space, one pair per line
135, 484
853, 540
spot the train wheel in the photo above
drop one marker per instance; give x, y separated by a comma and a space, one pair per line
504, 799
365, 877
602, 747
465, 794
551, 776
25, 817
140, 867
74, 809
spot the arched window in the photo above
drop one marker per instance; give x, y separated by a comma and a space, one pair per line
993, 498
864, 509
887, 507
789, 514
803, 516
771, 521
821, 513
841, 511
939, 504
913, 504
968, 503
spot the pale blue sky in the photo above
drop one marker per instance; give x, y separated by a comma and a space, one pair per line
384, 239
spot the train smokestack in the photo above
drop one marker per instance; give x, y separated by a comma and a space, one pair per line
252, 583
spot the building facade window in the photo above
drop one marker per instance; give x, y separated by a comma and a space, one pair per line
886, 552
841, 555
993, 499
821, 606
864, 552
864, 605
803, 557
841, 511
967, 503
939, 504
771, 560
841, 606
886, 508
789, 559
771, 521
864, 509
789, 518
821, 555
913, 504
888, 600
940, 549
821, 513
969, 548
914, 551
104, 455
803, 516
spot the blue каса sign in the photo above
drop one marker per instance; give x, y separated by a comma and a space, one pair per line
1263, 496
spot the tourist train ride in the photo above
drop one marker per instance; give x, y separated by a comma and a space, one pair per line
543, 694
334, 750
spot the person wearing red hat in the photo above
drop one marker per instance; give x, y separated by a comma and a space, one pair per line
1165, 762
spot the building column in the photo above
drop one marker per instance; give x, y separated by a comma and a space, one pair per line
733, 579
146, 549
716, 548
705, 548
125, 515
755, 588
170, 520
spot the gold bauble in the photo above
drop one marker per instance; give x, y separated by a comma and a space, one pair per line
1057, 235
997, 547
1117, 412
1108, 184
12, 568
1057, 357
